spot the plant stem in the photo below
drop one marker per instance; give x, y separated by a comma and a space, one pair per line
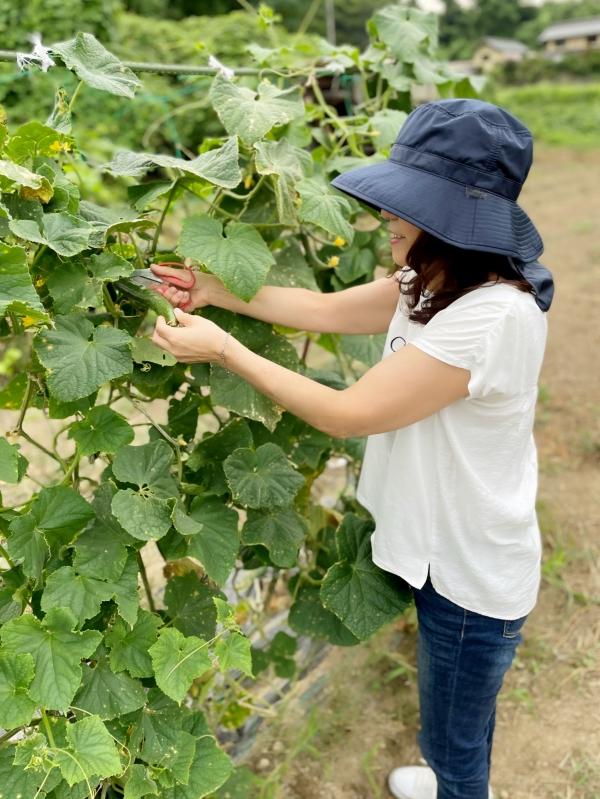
74, 96
162, 431
47, 727
24, 405
5, 554
9, 733
43, 449
146, 582
158, 230
138, 254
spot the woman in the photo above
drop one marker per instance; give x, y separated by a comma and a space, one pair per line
450, 466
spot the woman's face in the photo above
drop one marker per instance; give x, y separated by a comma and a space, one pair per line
402, 236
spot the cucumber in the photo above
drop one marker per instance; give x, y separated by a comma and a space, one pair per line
149, 298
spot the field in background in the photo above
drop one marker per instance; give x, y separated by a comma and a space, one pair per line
557, 113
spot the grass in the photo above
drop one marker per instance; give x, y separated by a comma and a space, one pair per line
563, 114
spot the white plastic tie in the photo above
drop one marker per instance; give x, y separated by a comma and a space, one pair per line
40, 55
226, 72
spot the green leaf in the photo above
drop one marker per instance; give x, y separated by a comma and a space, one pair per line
406, 31
233, 652
281, 531
178, 661
362, 596
125, 591
71, 289
218, 166
64, 233
139, 784
146, 518
367, 349
324, 209
80, 357
102, 430
16, 673
17, 294
34, 139
143, 350
57, 651
253, 115
190, 605
262, 478
82, 595
95, 65
129, 647
106, 694
239, 257
101, 551
147, 465
307, 616
12, 464
15, 781
237, 395
291, 269
216, 547
55, 516
217, 446
108, 266
91, 752
143, 195
209, 770
34, 186
288, 164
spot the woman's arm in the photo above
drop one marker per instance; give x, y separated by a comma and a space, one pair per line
359, 309
403, 388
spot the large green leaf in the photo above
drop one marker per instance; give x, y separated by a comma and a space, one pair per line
108, 266
80, 357
55, 516
250, 114
16, 673
280, 530
145, 517
209, 770
34, 139
239, 257
12, 464
91, 752
236, 394
367, 349
71, 288
178, 661
15, 781
101, 551
139, 784
292, 268
147, 466
308, 616
64, 233
324, 209
190, 605
217, 545
219, 166
95, 65
129, 647
406, 31
57, 651
262, 478
33, 186
106, 694
362, 596
82, 595
288, 164
102, 430
17, 294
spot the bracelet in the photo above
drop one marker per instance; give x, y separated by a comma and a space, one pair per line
222, 354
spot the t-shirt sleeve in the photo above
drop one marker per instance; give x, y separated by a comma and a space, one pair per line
499, 341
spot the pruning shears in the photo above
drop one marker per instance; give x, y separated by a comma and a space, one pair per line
183, 281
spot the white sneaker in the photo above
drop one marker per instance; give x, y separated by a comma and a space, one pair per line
415, 782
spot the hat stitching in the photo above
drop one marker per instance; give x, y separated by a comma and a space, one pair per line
522, 131
452, 161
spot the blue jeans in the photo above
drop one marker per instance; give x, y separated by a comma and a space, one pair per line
462, 657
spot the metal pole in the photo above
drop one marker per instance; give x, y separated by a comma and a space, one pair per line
330, 20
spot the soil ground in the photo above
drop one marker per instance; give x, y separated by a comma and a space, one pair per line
355, 716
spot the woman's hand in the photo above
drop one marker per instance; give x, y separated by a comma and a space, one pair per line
196, 340
188, 298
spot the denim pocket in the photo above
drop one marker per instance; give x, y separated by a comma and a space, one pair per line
512, 627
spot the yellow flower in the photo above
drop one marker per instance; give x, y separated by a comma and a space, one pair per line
248, 181
339, 241
59, 147
39, 281
28, 321
333, 261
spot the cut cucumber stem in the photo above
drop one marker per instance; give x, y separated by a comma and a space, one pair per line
149, 298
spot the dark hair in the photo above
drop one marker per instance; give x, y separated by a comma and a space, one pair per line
462, 271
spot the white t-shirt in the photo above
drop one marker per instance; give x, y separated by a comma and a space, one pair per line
456, 491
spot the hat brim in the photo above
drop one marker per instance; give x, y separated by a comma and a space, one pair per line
457, 214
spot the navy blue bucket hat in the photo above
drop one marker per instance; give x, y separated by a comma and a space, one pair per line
456, 170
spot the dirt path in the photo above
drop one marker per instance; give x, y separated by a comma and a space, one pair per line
358, 711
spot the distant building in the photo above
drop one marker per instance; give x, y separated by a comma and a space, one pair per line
493, 51
571, 36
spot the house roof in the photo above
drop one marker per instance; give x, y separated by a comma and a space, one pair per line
570, 28
504, 45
